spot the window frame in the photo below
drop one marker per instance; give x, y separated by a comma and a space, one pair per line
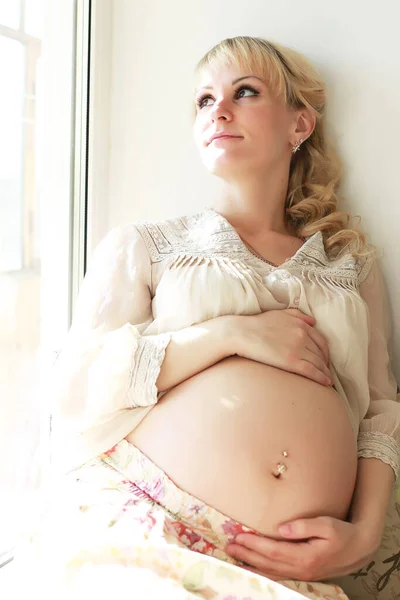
80, 143
77, 194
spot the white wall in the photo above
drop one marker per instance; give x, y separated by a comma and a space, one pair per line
154, 171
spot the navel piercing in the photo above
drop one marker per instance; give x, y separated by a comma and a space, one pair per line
297, 146
280, 468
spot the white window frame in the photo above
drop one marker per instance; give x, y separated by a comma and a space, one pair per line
65, 194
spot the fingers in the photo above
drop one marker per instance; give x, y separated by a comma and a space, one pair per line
320, 341
295, 312
267, 566
307, 369
258, 543
307, 359
316, 350
313, 333
321, 370
318, 527
262, 564
277, 550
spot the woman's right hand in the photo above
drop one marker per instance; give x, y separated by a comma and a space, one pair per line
286, 339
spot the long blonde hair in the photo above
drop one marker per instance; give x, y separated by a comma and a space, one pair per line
315, 170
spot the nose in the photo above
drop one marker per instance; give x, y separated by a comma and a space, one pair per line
220, 110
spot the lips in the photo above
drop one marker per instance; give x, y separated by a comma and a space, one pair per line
221, 134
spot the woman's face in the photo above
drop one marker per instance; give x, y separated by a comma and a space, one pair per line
238, 103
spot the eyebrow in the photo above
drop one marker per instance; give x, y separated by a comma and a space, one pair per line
209, 87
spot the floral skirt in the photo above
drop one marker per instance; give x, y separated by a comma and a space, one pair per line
119, 524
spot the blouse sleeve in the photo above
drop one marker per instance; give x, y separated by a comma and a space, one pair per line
379, 435
106, 364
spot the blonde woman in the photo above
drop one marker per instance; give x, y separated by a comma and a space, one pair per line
224, 399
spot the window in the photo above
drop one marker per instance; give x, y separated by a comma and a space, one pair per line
40, 121
19, 193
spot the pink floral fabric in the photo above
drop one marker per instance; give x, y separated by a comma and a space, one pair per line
118, 523
187, 519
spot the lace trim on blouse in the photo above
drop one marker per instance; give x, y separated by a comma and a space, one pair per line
374, 444
146, 360
208, 234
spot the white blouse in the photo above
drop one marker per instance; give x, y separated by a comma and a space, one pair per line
146, 280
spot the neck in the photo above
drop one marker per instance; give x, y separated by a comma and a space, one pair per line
255, 204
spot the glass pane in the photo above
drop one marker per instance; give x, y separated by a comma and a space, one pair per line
10, 13
18, 334
34, 17
12, 66
35, 203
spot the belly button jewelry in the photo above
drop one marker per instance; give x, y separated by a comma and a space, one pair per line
280, 468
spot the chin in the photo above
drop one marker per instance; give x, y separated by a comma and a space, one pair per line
228, 169
225, 165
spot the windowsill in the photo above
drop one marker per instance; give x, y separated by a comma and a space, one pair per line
7, 531
8, 577
7, 537
6, 557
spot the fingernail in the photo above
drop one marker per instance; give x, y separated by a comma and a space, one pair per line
328, 381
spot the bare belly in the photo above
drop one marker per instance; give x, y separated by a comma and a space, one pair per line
221, 434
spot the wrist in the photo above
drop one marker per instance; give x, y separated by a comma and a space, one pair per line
228, 334
369, 509
370, 535
370, 528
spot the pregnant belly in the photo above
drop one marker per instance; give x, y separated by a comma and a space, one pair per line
222, 434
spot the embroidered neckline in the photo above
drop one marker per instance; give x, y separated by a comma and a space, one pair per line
314, 240
209, 235
260, 257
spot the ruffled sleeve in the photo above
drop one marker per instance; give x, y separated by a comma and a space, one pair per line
379, 435
106, 364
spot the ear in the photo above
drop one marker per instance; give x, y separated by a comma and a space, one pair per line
303, 124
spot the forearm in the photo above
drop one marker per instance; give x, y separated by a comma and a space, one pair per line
373, 489
194, 349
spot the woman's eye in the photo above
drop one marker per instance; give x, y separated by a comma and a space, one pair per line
245, 89
200, 101
238, 93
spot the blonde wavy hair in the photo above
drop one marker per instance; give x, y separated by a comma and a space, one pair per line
315, 170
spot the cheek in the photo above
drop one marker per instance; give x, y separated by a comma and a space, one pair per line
268, 124
271, 131
269, 116
198, 133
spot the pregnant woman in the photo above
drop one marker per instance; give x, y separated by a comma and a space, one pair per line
224, 399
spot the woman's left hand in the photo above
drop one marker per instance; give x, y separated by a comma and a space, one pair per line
319, 548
